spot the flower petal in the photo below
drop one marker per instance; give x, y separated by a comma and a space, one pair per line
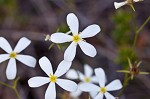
73, 23
100, 96
87, 48
11, 69
22, 44
38, 81
76, 94
4, 57
94, 79
70, 52
81, 76
88, 70
100, 74
46, 65
67, 85
88, 87
60, 38
5, 45
118, 5
137, 0
93, 94
109, 96
72, 74
62, 68
27, 60
114, 85
90, 31
51, 91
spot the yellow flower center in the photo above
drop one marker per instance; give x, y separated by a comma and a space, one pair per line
103, 90
76, 38
13, 55
53, 78
87, 79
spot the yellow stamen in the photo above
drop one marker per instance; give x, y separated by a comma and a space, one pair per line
103, 90
53, 78
13, 55
87, 79
76, 38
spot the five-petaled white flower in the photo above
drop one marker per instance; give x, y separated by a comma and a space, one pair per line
88, 78
102, 90
14, 55
53, 78
129, 2
76, 38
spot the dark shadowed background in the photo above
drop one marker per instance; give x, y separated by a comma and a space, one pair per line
35, 18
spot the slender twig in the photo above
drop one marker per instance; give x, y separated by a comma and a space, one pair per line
125, 84
138, 31
13, 87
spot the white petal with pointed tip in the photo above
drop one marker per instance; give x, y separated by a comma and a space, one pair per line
94, 79
73, 23
109, 96
137, 0
67, 85
118, 5
51, 91
90, 31
87, 48
4, 57
46, 66
5, 45
99, 96
62, 68
100, 74
38, 81
72, 74
61, 38
70, 52
93, 94
27, 60
114, 85
76, 94
87, 87
22, 44
11, 69
81, 76
88, 70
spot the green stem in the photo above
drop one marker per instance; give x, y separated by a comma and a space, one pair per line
139, 30
17, 94
4, 84
13, 87
126, 81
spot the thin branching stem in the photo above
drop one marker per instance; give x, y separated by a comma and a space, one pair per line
139, 30
13, 87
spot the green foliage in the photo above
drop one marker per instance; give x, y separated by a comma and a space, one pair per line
123, 54
122, 30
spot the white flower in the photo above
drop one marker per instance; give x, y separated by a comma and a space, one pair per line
14, 55
53, 78
76, 38
88, 78
129, 2
102, 90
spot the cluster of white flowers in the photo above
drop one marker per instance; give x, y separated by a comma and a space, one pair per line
77, 38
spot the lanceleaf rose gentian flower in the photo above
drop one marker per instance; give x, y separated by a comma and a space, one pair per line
77, 38
53, 78
102, 89
14, 55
